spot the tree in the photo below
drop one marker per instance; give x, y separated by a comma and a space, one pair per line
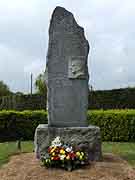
40, 85
4, 89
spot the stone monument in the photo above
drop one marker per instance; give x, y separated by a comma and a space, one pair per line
67, 82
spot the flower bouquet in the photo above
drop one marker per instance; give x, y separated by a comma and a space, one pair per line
64, 155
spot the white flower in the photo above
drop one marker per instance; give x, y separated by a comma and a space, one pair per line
62, 157
69, 149
56, 142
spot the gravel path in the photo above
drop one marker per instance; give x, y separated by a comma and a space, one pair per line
26, 167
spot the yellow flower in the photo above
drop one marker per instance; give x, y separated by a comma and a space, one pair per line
78, 153
82, 153
81, 157
51, 158
68, 157
62, 151
53, 149
53, 154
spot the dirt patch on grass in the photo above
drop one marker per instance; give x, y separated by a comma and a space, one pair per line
26, 167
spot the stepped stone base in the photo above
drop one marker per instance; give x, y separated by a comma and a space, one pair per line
87, 138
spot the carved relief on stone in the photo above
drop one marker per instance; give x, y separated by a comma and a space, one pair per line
77, 67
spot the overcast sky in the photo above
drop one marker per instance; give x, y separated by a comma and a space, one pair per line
109, 27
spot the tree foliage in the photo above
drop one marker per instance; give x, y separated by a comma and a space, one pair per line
4, 89
112, 99
41, 85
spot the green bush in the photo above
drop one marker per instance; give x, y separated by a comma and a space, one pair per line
15, 125
116, 125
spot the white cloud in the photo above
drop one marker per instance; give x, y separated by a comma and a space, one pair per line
35, 67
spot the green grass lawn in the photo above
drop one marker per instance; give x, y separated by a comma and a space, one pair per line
125, 150
10, 148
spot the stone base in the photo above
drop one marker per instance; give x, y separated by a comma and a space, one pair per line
87, 138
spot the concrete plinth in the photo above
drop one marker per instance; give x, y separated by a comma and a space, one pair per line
87, 138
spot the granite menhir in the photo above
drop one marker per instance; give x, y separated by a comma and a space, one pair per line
67, 71
67, 81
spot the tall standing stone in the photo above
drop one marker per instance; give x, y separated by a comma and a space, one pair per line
67, 71
67, 82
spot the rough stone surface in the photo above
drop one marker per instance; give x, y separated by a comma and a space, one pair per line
67, 82
87, 138
66, 71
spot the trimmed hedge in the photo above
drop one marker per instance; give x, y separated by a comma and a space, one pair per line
15, 124
116, 125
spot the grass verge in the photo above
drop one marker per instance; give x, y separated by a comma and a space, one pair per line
10, 148
125, 150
